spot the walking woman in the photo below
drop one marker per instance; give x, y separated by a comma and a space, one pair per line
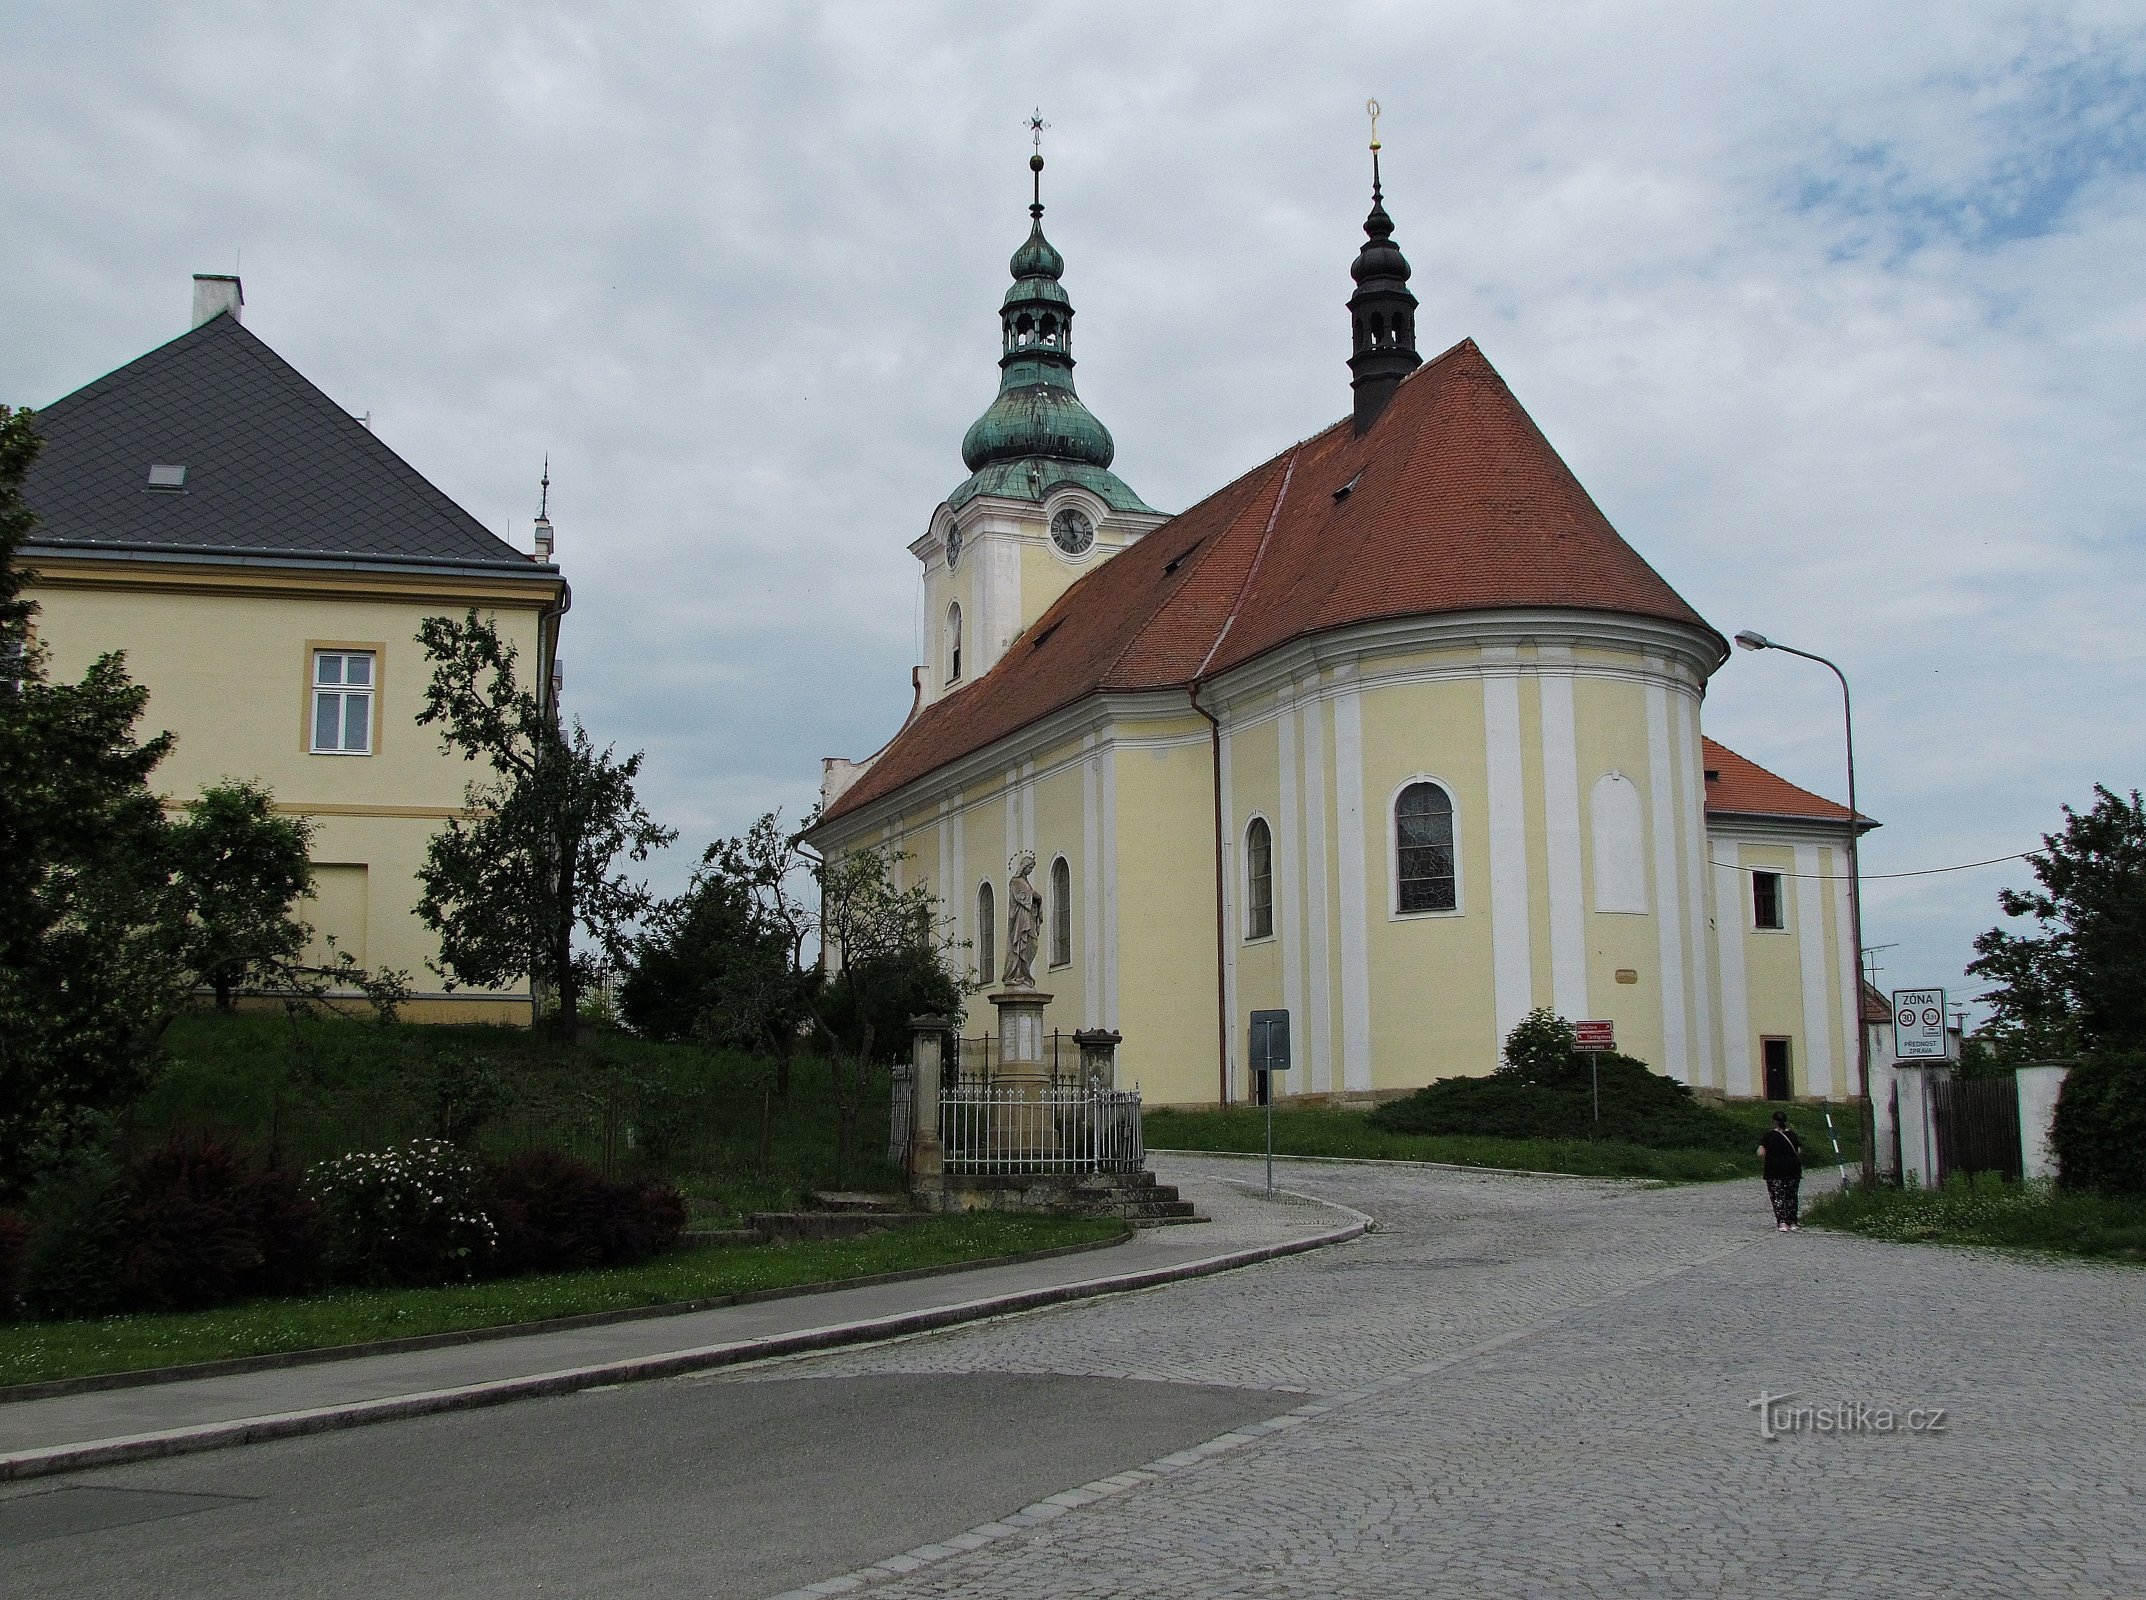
1782, 1152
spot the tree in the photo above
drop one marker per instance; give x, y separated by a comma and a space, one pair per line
241, 867
1540, 1048
508, 885
888, 945
724, 963
2080, 982
92, 929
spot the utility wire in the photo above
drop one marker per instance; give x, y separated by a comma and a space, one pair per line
1872, 877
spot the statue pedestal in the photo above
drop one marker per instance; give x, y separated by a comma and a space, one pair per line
1021, 1123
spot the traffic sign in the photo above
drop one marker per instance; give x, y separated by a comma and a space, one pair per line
1594, 1036
1919, 1025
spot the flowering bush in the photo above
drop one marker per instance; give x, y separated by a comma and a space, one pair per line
557, 1214
410, 1215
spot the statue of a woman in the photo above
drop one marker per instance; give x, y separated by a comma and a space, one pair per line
1024, 924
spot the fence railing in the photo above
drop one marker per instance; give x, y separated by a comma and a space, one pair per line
1052, 1128
976, 1062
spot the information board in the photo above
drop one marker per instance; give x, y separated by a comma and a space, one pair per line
1594, 1036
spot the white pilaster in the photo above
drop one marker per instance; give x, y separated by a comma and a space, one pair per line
1318, 990
1091, 891
1849, 1011
1351, 841
1561, 818
1668, 892
1706, 1064
1230, 917
1511, 953
1818, 1028
1288, 886
1740, 1066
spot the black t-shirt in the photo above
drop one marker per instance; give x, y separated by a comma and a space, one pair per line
1784, 1153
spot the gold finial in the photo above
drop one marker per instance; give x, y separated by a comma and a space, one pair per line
1372, 106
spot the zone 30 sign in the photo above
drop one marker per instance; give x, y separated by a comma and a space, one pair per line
1919, 1024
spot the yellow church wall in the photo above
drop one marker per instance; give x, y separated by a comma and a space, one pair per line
1255, 976
1773, 962
1610, 721
1165, 910
229, 673
1432, 1009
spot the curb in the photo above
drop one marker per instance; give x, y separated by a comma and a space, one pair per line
275, 1360
671, 1364
1435, 1166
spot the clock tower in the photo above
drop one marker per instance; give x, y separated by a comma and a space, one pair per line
1040, 504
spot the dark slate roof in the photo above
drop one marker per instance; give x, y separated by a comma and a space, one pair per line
274, 468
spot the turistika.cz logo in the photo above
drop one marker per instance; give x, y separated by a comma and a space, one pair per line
1780, 1415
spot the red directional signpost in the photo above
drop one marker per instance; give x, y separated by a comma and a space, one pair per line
1594, 1038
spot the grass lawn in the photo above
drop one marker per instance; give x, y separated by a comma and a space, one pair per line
38, 1351
1991, 1212
311, 1088
1349, 1133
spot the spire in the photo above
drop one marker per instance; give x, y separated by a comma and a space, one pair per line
1037, 432
1382, 310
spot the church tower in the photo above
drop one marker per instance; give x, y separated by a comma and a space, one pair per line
1040, 505
1382, 309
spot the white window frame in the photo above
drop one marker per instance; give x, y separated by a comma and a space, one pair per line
953, 642
1780, 899
1245, 874
319, 689
1394, 913
986, 933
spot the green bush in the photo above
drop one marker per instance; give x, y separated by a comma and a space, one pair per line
557, 1214
2099, 1135
407, 1216
1543, 1101
14, 1246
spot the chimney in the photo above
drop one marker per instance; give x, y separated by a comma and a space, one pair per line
543, 538
214, 294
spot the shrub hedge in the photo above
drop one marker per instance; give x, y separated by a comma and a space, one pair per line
2099, 1135
193, 1223
1639, 1106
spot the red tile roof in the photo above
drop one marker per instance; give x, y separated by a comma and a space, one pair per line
1455, 502
1738, 787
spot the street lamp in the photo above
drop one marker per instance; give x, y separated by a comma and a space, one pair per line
1748, 640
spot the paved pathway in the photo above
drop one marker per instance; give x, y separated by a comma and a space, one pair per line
1527, 1387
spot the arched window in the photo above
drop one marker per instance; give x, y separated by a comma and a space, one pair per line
1061, 913
1423, 849
953, 641
1258, 880
1620, 831
986, 933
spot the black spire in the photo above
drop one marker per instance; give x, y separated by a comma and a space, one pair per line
1382, 309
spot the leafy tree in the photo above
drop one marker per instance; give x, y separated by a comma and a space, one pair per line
241, 866
2080, 982
725, 963
887, 946
92, 929
508, 885
1539, 1050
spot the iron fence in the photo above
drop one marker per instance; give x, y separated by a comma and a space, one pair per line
977, 1066
1054, 1128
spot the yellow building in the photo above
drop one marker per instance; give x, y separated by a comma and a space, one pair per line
264, 561
1393, 732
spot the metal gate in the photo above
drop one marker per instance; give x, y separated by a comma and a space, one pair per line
1977, 1123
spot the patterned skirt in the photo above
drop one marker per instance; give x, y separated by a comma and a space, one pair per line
1782, 1192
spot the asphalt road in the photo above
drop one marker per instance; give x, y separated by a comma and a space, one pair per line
655, 1490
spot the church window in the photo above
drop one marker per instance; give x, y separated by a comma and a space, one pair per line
1258, 880
1767, 908
953, 641
1423, 849
986, 933
1061, 913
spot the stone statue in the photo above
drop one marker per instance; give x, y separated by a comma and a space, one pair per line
1024, 924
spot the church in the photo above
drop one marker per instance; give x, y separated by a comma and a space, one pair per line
1393, 732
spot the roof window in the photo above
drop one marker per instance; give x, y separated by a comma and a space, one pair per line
162, 477
1347, 489
1178, 560
1044, 637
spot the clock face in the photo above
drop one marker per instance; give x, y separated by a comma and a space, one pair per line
1072, 532
953, 548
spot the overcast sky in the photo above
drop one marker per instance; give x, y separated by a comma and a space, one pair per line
1836, 309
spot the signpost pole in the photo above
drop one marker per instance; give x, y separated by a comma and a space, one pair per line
1267, 1080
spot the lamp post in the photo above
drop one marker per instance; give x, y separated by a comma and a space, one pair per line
1748, 640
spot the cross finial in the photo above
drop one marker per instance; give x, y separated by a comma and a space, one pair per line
1372, 107
1036, 125
544, 499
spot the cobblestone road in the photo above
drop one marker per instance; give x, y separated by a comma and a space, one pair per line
1543, 1387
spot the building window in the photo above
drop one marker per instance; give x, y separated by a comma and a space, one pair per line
986, 933
343, 685
1061, 913
953, 642
1423, 849
1767, 909
1258, 880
